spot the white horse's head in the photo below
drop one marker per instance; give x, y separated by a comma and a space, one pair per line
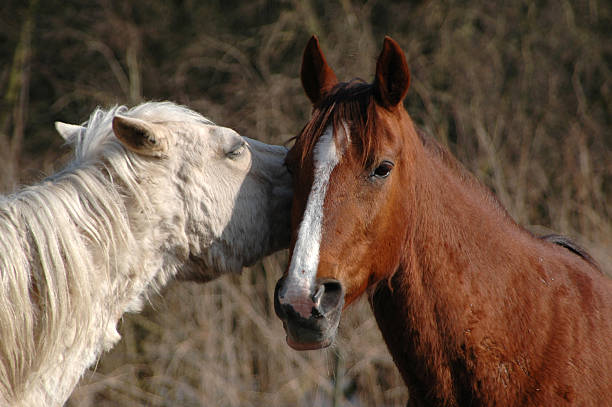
153, 192
225, 197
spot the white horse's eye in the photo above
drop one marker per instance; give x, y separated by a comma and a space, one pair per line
237, 150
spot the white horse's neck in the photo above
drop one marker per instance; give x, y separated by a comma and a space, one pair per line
96, 243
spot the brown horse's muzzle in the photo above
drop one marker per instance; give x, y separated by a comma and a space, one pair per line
318, 330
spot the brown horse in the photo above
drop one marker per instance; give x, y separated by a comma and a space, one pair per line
474, 309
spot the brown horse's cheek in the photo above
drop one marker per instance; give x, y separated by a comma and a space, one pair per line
358, 286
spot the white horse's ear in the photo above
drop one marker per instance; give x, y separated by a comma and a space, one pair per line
68, 131
141, 136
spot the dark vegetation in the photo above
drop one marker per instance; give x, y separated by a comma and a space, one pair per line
520, 92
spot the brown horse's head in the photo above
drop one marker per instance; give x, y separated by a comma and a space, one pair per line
351, 165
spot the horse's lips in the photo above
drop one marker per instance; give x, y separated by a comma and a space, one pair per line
315, 330
305, 345
308, 346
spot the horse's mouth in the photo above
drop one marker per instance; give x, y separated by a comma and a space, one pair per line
315, 330
300, 337
308, 345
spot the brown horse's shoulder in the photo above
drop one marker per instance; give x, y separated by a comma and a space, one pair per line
558, 343
567, 335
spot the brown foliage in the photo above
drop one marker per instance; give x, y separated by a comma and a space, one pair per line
519, 92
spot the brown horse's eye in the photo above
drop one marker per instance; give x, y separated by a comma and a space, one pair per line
383, 170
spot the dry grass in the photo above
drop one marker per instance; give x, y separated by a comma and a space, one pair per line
521, 93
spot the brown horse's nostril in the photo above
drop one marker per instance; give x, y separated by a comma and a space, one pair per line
310, 320
316, 297
279, 294
328, 296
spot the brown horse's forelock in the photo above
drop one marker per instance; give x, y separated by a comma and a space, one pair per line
349, 102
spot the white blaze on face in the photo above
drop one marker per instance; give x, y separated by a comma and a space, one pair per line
305, 260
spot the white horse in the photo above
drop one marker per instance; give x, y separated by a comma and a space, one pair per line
153, 192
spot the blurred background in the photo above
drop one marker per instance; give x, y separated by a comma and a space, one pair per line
520, 92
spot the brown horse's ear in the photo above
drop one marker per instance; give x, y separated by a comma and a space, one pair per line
392, 75
141, 136
317, 77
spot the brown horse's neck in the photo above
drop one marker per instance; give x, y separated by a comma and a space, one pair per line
457, 313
